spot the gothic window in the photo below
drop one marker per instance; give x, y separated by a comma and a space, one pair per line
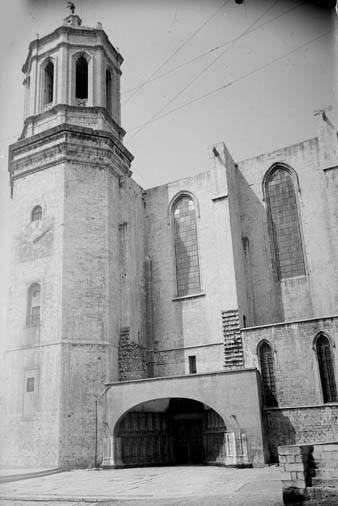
186, 248
81, 78
36, 213
108, 91
268, 374
33, 305
48, 83
284, 223
326, 369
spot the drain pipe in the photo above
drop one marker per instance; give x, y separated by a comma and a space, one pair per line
106, 388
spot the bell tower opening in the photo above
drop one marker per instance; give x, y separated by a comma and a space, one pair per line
81, 78
48, 83
109, 101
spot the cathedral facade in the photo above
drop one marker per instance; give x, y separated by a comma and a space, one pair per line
195, 322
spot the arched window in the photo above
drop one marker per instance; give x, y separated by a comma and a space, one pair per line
48, 83
81, 78
186, 248
268, 374
108, 91
284, 223
33, 305
326, 369
36, 213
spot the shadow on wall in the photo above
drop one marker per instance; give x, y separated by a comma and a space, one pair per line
280, 432
264, 298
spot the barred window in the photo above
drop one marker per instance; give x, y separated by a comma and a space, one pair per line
81, 78
33, 305
285, 223
268, 374
326, 369
186, 247
36, 213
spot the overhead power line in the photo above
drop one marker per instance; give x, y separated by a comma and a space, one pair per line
216, 48
178, 49
207, 67
230, 83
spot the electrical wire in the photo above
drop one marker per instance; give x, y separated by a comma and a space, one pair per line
178, 50
226, 85
207, 67
216, 48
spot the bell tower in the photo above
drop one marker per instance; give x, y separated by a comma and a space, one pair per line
73, 67
69, 176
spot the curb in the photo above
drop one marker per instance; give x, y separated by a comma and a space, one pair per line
26, 476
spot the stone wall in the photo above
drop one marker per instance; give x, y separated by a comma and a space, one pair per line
233, 349
309, 474
293, 298
295, 358
134, 359
300, 425
183, 323
301, 415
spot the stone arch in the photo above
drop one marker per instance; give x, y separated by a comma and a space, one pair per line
177, 197
272, 169
233, 395
229, 422
172, 431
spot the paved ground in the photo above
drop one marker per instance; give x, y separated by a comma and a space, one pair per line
152, 486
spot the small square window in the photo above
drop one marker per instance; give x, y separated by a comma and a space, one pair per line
30, 384
192, 364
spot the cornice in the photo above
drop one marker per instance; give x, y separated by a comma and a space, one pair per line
76, 45
70, 30
73, 108
115, 157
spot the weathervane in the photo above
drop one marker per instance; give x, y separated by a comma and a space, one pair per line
71, 6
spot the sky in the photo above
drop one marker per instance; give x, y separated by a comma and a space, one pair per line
195, 73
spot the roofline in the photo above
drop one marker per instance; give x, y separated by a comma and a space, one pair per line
69, 29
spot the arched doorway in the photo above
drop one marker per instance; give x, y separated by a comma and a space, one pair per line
172, 431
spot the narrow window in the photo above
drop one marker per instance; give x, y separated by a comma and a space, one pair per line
285, 223
30, 397
108, 92
268, 375
186, 248
48, 83
36, 213
326, 369
192, 364
81, 79
34, 305
30, 384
